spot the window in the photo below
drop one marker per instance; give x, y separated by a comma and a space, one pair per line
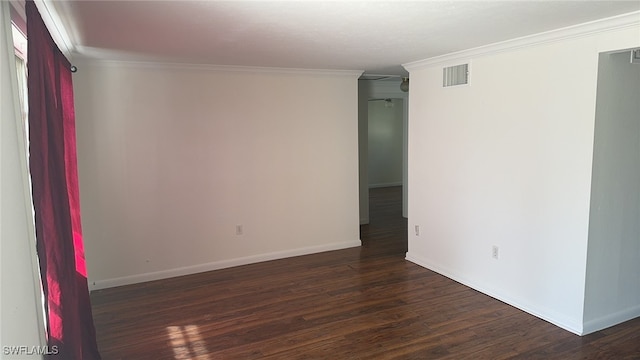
20, 47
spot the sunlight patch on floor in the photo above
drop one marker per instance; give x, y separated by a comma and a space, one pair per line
187, 343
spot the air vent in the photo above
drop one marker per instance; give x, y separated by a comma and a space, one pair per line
455, 75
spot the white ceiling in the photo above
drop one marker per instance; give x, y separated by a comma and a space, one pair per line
375, 36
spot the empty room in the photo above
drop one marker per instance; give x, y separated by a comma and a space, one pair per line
320, 179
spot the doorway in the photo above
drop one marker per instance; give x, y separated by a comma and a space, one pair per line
389, 151
385, 142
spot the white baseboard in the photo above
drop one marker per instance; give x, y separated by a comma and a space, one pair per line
522, 304
217, 265
610, 320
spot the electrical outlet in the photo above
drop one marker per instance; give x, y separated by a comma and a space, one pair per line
417, 228
239, 230
495, 252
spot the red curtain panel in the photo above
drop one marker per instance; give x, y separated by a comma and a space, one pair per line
53, 165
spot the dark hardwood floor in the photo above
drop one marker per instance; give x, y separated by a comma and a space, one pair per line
359, 303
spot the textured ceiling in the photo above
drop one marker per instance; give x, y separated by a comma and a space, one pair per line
375, 36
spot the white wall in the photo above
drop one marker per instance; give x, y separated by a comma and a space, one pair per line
385, 130
506, 161
172, 158
20, 314
612, 291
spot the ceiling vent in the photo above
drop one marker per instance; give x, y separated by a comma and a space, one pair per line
455, 75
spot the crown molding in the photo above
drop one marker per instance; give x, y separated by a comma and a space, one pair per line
52, 21
571, 32
60, 35
165, 64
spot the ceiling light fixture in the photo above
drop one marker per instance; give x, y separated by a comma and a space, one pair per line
404, 86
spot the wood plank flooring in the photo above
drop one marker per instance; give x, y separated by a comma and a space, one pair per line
359, 303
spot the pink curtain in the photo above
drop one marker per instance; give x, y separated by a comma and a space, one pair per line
52, 149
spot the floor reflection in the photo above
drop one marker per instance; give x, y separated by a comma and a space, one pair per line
187, 343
